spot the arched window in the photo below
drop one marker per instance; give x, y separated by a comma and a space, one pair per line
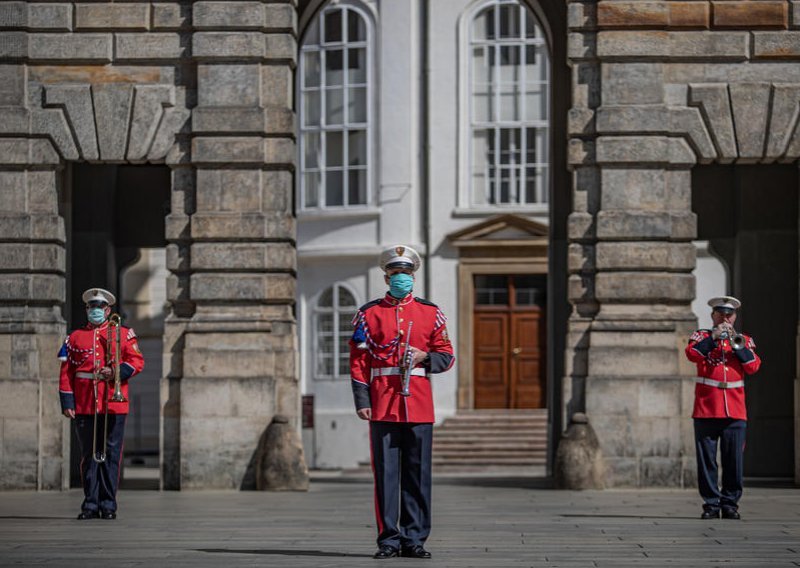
334, 110
509, 76
333, 314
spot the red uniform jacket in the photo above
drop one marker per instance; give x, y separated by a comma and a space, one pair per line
376, 350
719, 366
86, 348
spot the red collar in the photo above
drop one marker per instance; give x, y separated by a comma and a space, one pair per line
392, 301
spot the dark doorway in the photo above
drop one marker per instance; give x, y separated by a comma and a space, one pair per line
749, 215
112, 213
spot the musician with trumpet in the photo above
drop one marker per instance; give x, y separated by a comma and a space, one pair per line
723, 358
398, 343
98, 361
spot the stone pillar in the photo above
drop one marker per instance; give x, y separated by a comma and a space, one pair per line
34, 439
232, 251
631, 258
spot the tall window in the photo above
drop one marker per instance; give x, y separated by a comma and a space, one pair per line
509, 106
333, 328
334, 110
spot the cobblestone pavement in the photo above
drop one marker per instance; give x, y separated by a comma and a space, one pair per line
478, 522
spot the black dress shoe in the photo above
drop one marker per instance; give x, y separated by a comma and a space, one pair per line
84, 515
385, 552
415, 552
731, 514
108, 515
710, 514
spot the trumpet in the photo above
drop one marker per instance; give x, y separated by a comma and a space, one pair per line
737, 340
406, 364
113, 349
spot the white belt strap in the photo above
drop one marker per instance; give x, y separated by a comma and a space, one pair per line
719, 384
384, 371
82, 375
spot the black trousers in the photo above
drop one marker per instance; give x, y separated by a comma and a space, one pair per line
401, 462
730, 434
100, 480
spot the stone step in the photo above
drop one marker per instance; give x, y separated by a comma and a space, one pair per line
470, 460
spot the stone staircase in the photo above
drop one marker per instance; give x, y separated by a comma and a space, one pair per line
492, 441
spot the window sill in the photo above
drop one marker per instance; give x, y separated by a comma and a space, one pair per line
485, 211
339, 213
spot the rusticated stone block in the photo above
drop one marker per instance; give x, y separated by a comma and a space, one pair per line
689, 15
282, 47
125, 15
795, 17
239, 15
637, 188
21, 287
228, 119
662, 398
280, 17
732, 46
25, 257
632, 83
620, 14
18, 398
645, 256
277, 86
581, 15
280, 152
242, 226
242, 256
640, 225
581, 45
53, 17
13, 45
228, 85
13, 15
649, 287
277, 191
148, 46
77, 47
171, 16
749, 14
32, 227
228, 190
644, 150
228, 45
12, 86
243, 287
234, 149
776, 45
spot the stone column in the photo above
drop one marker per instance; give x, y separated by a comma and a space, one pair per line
234, 272
631, 257
34, 439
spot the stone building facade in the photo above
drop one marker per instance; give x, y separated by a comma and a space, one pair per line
664, 115
662, 92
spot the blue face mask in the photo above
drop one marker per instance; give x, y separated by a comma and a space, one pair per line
96, 315
400, 285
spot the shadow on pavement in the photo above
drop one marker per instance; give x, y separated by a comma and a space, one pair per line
285, 552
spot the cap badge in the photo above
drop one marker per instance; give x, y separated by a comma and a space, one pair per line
400, 250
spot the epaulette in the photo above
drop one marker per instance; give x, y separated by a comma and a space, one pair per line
425, 302
368, 305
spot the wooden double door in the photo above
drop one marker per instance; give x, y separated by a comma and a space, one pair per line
510, 341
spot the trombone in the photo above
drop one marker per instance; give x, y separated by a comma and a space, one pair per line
113, 349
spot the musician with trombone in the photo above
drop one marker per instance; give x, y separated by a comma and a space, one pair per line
723, 358
399, 342
93, 387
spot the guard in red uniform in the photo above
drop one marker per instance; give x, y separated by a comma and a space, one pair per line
85, 387
399, 342
723, 358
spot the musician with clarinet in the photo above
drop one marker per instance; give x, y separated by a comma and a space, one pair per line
97, 362
723, 358
399, 342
